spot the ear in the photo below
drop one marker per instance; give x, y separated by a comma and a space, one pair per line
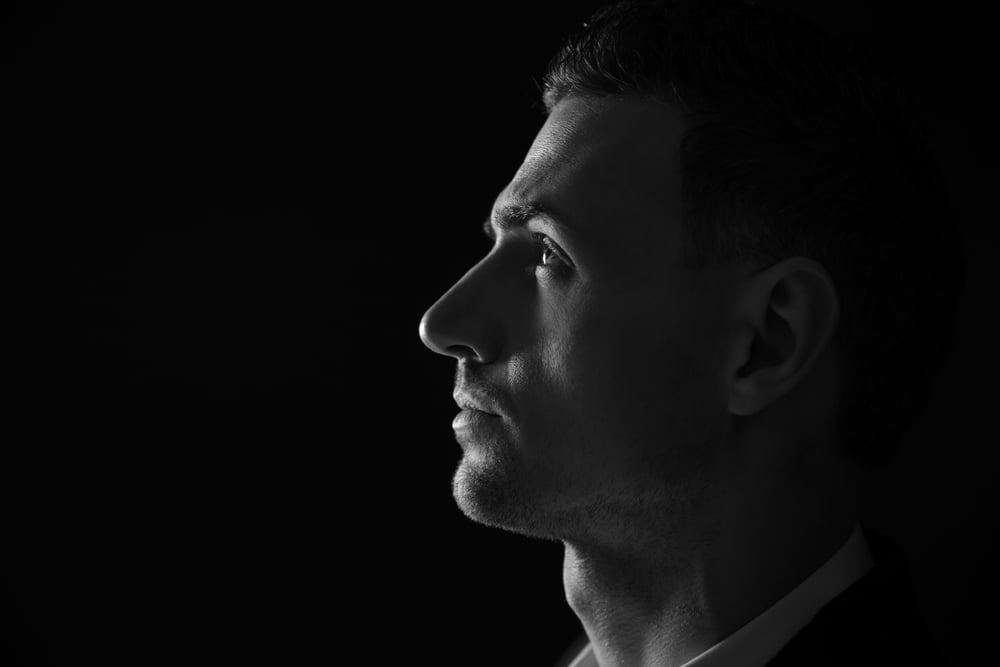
786, 319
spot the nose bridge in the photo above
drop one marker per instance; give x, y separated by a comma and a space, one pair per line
463, 322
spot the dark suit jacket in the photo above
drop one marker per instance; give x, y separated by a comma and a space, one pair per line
875, 621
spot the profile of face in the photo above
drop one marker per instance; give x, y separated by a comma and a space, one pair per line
596, 361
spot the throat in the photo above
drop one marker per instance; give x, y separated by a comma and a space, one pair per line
637, 609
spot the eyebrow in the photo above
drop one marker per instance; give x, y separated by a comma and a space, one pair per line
514, 216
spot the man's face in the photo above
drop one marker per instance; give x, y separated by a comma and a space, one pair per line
600, 357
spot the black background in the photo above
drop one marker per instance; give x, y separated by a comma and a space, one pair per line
225, 442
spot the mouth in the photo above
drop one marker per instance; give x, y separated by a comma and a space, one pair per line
474, 407
472, 419
469, 403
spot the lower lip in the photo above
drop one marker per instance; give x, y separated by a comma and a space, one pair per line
471, 419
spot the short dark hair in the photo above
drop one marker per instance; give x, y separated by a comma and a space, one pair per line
796, 144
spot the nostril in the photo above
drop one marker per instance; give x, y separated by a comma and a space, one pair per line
462, 352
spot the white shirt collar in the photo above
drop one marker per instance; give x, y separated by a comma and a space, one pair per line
754, 644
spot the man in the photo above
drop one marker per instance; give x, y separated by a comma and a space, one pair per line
719, 284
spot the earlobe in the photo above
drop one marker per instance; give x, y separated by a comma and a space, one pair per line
789, 315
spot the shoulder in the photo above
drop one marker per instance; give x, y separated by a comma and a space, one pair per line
874, 621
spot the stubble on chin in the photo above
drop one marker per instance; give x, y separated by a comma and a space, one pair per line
491, 490
486, 493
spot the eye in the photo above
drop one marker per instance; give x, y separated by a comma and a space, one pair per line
549, 255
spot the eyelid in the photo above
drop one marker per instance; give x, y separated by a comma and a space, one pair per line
538, 238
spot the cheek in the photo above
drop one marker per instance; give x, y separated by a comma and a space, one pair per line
597, 360
634, 367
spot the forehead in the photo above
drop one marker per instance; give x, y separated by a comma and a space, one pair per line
607, 166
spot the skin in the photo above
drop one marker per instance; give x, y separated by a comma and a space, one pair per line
670, 426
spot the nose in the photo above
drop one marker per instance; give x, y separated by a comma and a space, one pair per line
462, 324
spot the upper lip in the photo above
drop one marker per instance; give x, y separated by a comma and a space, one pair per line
474, 402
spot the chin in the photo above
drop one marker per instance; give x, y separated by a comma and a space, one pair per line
498, 497
493, 496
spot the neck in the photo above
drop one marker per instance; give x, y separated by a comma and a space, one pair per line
640, 607
672, 593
